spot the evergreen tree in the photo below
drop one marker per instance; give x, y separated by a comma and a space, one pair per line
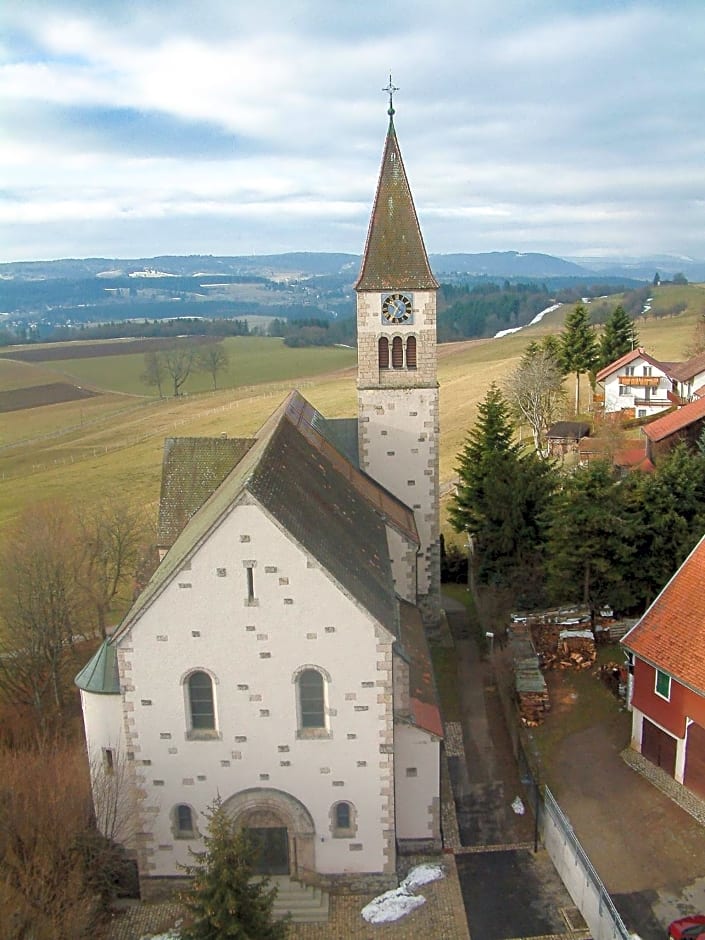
669, 510
222, 901
618, 337
501, 495
578, 348
590, 542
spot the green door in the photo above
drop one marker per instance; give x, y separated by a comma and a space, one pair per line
272, 844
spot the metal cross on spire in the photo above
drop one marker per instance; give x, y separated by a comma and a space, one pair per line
390, 89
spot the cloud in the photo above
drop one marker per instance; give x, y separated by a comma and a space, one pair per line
525, 126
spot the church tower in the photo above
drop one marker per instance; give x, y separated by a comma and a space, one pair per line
398, 427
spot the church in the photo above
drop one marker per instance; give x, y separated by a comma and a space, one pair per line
278, 656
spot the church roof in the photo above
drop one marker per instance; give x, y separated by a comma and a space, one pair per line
100, 674
331, 508
395, 257
422, 687
192, 468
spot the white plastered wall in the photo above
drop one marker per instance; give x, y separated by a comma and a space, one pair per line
203, 621
417, 760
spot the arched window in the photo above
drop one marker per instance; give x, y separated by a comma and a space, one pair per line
201, 702
312, 708
411, 352
342, 816
397, 353
182, 822
383, 349
343, 820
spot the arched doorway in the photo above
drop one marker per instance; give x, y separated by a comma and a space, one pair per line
280, 825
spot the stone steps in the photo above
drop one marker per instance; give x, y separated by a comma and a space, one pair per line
305, 903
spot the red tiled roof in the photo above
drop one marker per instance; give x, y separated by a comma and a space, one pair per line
634, 458
671, 634
690, 368
675, 420
640, 353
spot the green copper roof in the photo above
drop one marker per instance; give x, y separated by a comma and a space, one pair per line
395, 257
100, 674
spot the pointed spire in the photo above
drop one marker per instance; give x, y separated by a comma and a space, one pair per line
395, 256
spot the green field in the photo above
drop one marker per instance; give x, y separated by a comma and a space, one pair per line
113, 443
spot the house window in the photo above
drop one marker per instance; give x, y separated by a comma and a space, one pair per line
624, 390
182, 822
647, 370
629, 370
201, 705
397, 353
383, 352
663, 684
343, 820
411, 352
641, 413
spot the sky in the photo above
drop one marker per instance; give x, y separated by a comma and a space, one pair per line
141, 128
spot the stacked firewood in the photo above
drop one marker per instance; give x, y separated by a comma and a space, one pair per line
561, 647
529, 683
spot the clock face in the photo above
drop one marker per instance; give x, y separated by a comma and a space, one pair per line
396, 308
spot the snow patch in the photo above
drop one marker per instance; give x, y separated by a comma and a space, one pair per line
169, 935
397, 903
518, 806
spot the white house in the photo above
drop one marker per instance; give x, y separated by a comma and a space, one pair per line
278, 656
637, 384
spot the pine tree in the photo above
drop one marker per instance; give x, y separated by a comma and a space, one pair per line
501, 495
578, 349
590, 542
618, 337
222, 901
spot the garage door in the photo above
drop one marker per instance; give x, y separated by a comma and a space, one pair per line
658, 747
694, 777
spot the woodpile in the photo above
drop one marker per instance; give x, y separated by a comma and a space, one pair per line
529, 683
561, 647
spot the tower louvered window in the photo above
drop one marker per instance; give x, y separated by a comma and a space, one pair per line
383, 348
397, 353
411, 352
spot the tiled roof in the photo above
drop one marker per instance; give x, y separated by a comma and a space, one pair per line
395, 257
422, 687
334, 510
570, 430
633, 458
192, 468
640, 353
690, 368
675, 420
671, 634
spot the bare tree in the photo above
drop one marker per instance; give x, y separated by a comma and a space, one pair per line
179, 364
213, 359
154, 371
53, 864
40, 608
114, 539
535, 392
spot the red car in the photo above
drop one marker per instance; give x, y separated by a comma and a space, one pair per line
687, 928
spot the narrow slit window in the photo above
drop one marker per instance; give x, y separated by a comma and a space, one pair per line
250, 584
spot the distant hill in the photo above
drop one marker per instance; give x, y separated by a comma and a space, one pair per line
506, 264
311, 264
